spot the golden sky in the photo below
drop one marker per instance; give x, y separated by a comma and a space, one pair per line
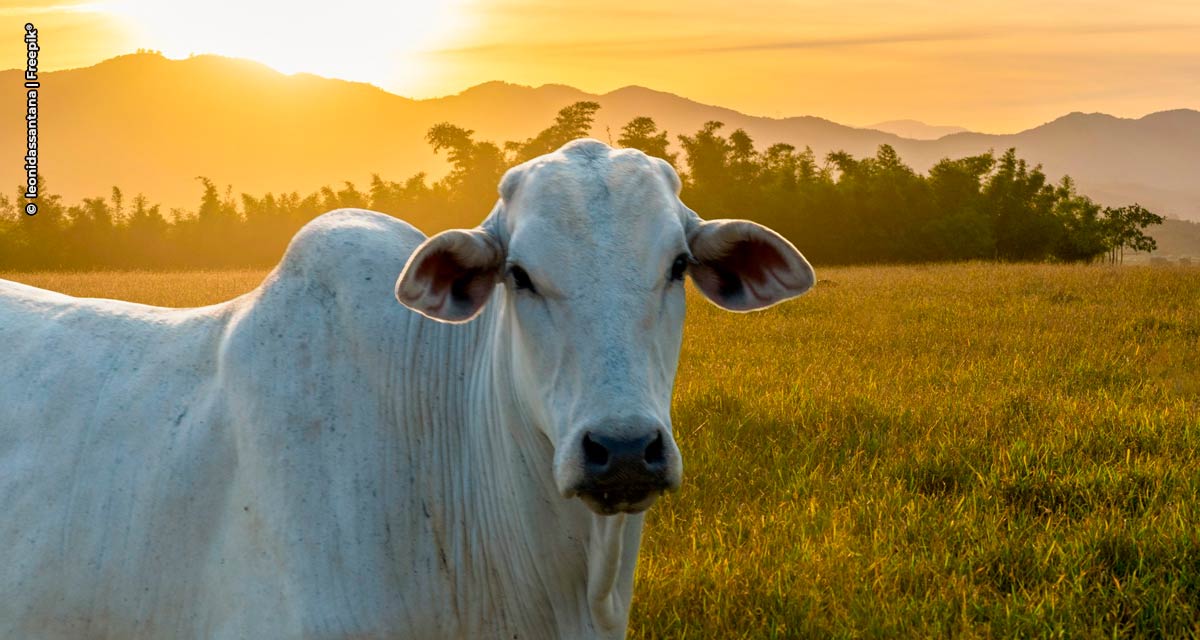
994, 65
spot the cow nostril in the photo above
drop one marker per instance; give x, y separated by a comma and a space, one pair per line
654, 452
594, 453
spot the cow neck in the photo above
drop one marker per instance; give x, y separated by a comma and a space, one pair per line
513, 432
605, 553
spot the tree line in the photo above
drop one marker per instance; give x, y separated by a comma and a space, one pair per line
838, 209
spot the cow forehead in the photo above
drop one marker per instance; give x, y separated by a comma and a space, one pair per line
587, 194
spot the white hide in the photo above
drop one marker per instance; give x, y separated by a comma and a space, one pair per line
314, 460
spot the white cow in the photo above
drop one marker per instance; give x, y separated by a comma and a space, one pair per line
313, 460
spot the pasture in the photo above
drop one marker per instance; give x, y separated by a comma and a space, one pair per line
970, 450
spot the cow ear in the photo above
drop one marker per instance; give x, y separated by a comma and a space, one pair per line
451, 275
742, 266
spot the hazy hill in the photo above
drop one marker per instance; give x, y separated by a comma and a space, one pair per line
151, 124
1152, 160
1177, 239
915, 129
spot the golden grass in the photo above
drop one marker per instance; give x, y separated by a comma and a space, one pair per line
165, 288
961, 450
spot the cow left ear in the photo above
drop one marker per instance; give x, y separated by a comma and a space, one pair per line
451, 275
742, 266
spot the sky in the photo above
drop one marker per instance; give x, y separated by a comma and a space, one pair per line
996, 65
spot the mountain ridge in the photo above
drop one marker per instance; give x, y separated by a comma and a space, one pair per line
151, 124
916, 129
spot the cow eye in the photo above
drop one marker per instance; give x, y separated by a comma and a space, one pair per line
679, 267
521, 278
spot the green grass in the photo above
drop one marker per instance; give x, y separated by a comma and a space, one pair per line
963, 450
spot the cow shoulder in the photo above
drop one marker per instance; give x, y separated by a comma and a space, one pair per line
348, 235
333, 283
349, 251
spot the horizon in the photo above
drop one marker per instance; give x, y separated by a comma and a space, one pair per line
968, 66
118, 108
606, 91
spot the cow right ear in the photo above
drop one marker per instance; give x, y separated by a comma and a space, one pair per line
451, 275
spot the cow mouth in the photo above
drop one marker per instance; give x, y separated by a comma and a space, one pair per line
607, 502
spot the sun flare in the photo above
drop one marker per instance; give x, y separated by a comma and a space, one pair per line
358, 40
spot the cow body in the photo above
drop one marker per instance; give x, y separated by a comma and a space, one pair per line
308, 460
314, 460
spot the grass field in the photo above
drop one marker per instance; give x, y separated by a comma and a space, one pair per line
966, 450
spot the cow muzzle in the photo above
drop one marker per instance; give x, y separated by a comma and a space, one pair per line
626, 472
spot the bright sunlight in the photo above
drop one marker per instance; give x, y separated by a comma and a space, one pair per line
361, 40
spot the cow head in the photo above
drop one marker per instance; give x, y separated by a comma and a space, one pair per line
590, 247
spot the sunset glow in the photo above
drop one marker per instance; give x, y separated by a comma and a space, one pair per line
976, 64
351, 39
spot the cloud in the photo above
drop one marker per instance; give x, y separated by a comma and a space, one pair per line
846, 41
716, 44
701, 44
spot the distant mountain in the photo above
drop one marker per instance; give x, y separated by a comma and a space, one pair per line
1177, 239
916, 129
1153, 160
149, 124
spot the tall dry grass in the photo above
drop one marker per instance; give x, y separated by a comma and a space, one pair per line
960, 450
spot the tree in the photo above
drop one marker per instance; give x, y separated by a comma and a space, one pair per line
1084, 236
118, 201
642, 133
348, 197
1020, 205
145, 233
459, 146
844, 210
210, 201
40, 241
961, 229
470, 187
707, 178
1126, 230
573, 121
743, 158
